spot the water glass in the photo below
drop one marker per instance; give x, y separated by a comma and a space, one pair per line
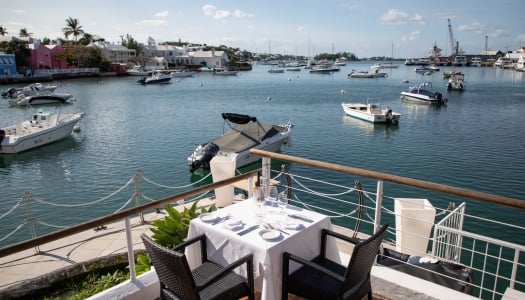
272, 193
282, 200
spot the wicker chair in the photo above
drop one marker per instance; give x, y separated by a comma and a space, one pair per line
322, 278
207, 281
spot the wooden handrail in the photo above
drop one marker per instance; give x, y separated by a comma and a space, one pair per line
491, 198
118, 216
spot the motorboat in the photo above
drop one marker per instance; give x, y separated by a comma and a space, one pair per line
421, 93
276, 70
29, 89
520, 65
224, 72
41, 98
456, 83
182, 73
45, 127
365, 74
156, 76
371, 112
245, 132
424, 69
138, 71
324, 68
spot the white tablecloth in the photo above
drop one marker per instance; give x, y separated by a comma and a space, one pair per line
226, 246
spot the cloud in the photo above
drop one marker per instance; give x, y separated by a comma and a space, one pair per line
162, 14
220, 14
397, 17
483, 29
153, 23
412, 36
300, 28
520, 38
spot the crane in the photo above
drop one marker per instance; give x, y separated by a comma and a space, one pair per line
453, 45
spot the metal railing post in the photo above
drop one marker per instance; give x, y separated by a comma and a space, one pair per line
30, 218
379, 205
131, 256
137, 195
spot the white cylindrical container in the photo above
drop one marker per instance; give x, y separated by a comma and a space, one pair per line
414, 221
223, 167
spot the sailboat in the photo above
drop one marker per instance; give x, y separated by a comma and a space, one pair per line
390, 64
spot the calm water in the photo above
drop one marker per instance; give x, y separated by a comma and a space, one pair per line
475, 142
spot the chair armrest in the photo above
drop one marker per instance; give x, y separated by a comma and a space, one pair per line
324, 235
248, 260
290, 257
200, 238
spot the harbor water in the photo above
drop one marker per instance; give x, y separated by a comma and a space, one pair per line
474, 142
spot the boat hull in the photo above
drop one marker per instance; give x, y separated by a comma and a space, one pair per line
42, 99
359, 111
12, 144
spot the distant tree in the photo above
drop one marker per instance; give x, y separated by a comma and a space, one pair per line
3, 30
72, 28
130, 43
24, 33
46, 41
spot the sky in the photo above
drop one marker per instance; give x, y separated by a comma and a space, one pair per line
366, 28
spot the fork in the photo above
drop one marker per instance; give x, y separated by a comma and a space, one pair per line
269, 226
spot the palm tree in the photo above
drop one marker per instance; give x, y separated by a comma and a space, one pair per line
72, 28
3, 30
24, 33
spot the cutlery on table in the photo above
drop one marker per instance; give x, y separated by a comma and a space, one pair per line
248, 230
269, 226
299, 217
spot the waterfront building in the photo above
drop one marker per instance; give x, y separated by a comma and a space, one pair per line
7, 64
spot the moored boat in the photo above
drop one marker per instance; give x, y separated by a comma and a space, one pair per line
156, 77
456, 83
371, 112
421, 93
41, 98
45, 127
29, 89
245, 133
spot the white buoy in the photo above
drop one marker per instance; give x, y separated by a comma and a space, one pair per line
269, 98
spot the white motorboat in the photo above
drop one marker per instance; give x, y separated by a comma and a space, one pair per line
276, 70
45, 127
371, 112
41, 98
138, 71
29, 89
224, 72
182, 73
422, 94
156, 76
456, 83
245, 133
360, 74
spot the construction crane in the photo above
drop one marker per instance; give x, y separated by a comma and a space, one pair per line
453, 45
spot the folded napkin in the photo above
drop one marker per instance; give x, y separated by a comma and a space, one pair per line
291, 225
233, 225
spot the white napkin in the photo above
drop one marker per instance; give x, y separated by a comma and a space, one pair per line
233, 225
291, 225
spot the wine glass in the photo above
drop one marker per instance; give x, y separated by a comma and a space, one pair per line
282, 200
272, 193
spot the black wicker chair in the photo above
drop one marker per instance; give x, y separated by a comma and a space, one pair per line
207, 281
322, 278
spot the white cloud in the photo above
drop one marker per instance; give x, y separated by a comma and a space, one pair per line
300, 28
162, 14
483, 29
520, 38
220, 14
153, 23
398, 17
412, 36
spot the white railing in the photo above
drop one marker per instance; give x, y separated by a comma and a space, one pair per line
495, 264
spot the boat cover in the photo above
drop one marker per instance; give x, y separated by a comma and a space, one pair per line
238, 118
245, 136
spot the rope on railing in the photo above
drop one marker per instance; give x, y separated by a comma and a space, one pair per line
176, 187
12, 209
125, 204
89, 203
50, 225
320, 181
12, 232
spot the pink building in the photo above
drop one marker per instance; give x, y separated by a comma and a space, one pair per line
46, 56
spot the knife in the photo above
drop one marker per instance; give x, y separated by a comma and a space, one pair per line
248, 230
301, 218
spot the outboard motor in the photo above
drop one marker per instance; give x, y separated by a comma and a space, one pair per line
388, 116
210, 150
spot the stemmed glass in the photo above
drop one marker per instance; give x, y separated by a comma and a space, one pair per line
282, 200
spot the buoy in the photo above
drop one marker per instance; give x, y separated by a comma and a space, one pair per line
269, 98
